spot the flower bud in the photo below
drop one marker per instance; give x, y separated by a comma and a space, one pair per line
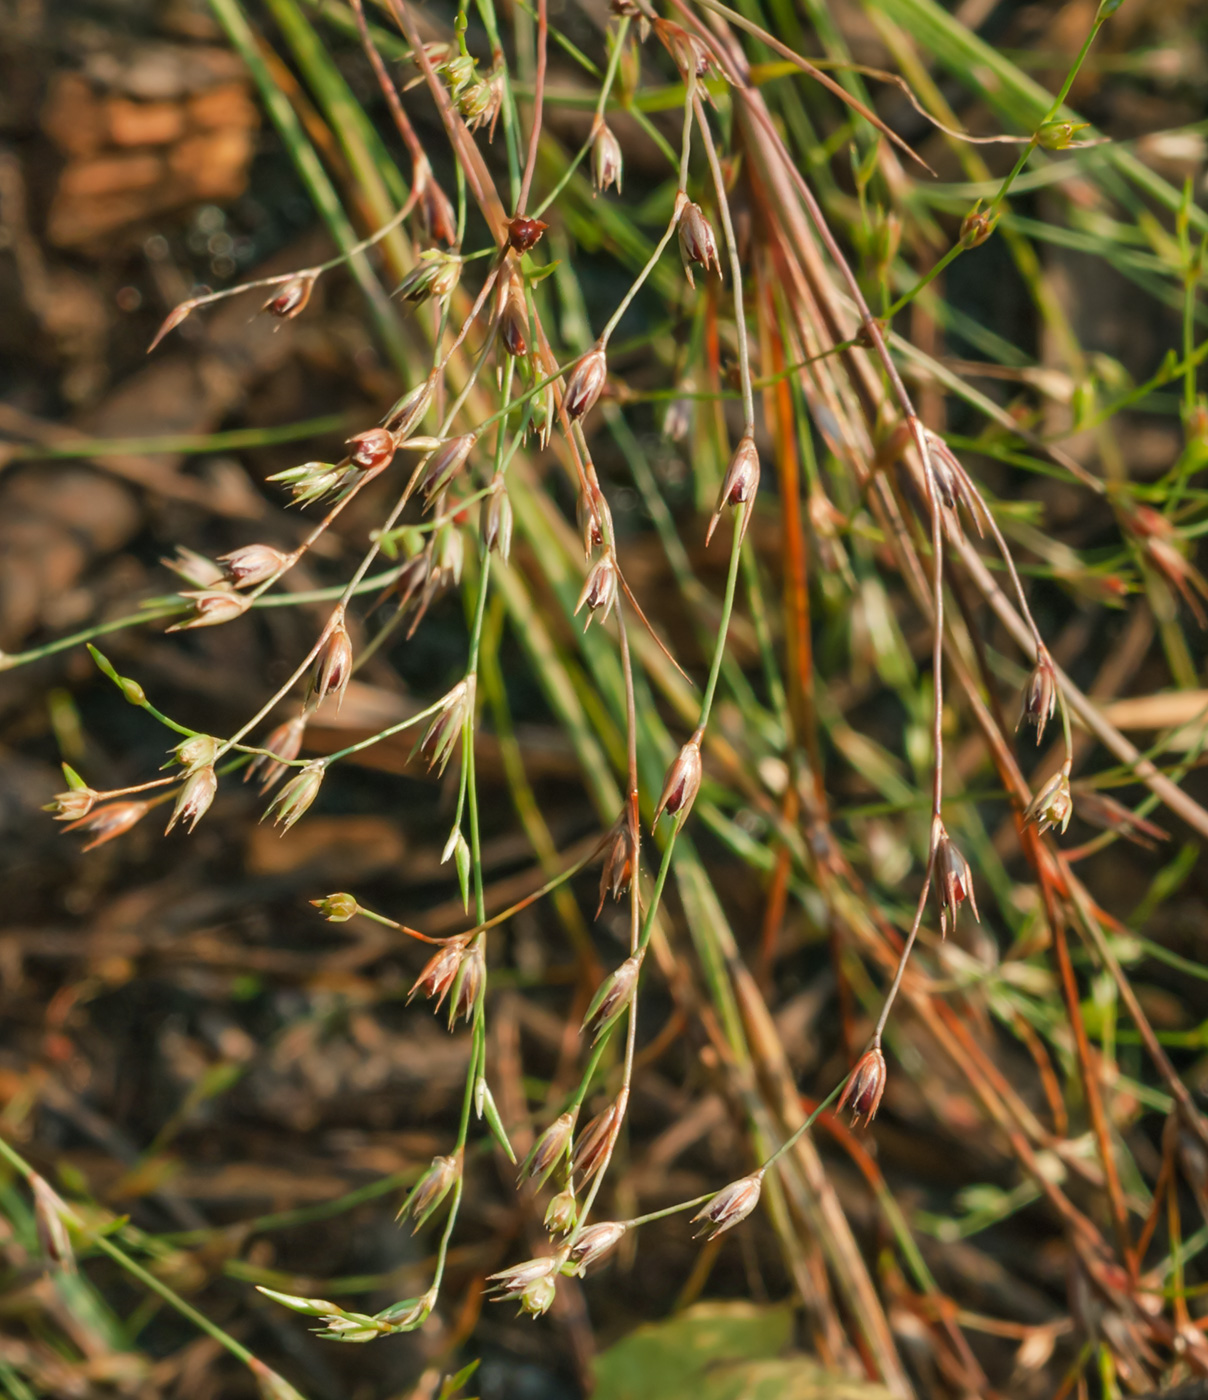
251, 565
337, 908
438, 972
606, 159
953, 882
1040, 697
618, 861
296, 797
594, 1242
549, 1148
291, 300
211, 607
285, 743
444, 464
525, 233
697, 241
599, 590
682, 782
1059, 135
373, 449
738, 486
107, 822
334, 669
428, 1192
612, 997
194, 798
863, 1090
731, 1205
596, 1141
1052, 806
561, 1213
585, 383
496, 522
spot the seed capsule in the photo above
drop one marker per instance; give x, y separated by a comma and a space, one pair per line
436, 212
618, 861
446, 726
291, 300
337, 908
731, 1205
953, 882
198, 752
468, 984
496, 525
432, 1188
438, 973
585, 383
251, 565
698, 244
435, 274
1040, 697
976, 227
511, 1283
211, 607
444, 464
285, 743
561, 1213
107, 822
409, 411
863, 1090
194, 798
50, 1221
739, 486
525, 233
549, 1148
594, 1242
1052, 806
296, 797
682, 782
73, 805
606, 159
596, 1141
513, 320
373, 449
334, 670
599, 591
612, 997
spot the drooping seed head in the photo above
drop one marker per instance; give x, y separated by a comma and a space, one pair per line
444, 464
739, 485
296, 797
550, 1148
561, 1213
607, 163
1052, 806
334, 668
731, 1205
496, 522
618, 861
212, 606
439, 973
863, 1090
112, 820
428, 1192
337, 908
194, 798
682, 782
1040, 695
251, 564
596, 1141
373, 450
612, 997
698, 243
586, 382
954, 883
599, 592
595, 1242
525, 233
285, 742
291, 299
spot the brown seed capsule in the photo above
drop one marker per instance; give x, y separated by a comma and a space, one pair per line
550, 1148
525, 233
334, 669
595, 1242
612, 997
1040, 697
690, 54
212, 606
432, 1188
291, 300
438, 973
954, 883
1052, 806
682, 782
107, 822
297, 796
251, 565
864, 1088
444, 464
976, 227
373, 449
731, 1205
513, 320
193, 800
285, 742
698, 244
606, 159
738, 486
599, 592
596, 1141
618, 861
585, 383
